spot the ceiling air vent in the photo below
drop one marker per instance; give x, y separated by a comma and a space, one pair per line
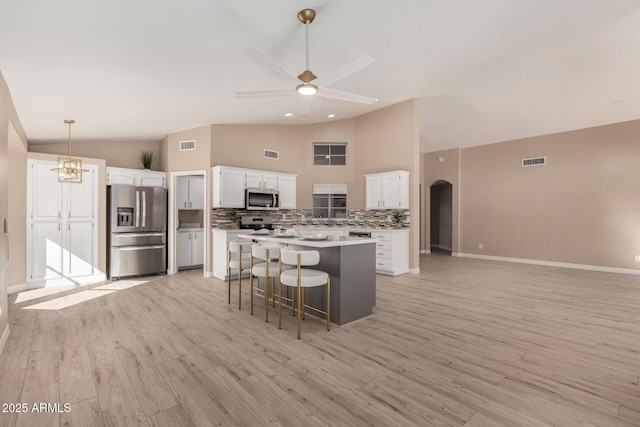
270, 154
188, 145
534, 161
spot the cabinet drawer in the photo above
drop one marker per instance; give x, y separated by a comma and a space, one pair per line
383, 264
382, 254
383, 237
385, 246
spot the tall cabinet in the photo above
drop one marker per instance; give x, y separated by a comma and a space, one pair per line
61, 224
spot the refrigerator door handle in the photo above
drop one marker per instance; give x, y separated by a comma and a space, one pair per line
144, 207
137, 208
138, 248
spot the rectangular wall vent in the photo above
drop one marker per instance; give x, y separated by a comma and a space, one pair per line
188, 145
534, 161
270, 154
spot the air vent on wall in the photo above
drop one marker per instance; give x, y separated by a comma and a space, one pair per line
188, 145
270, 154
534, 161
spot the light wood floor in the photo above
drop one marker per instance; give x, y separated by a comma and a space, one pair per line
466, 342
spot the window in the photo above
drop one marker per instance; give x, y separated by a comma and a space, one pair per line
329, 154
330, 201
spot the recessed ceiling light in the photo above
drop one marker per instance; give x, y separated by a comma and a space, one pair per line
331, 115
288, 114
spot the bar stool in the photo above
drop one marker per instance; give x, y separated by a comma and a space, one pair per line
267, 267
238, 258
301, 278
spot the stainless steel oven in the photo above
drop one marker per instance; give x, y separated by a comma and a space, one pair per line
257, 199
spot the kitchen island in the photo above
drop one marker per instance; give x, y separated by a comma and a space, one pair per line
351, 264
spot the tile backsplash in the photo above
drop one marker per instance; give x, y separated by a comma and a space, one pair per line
285, 218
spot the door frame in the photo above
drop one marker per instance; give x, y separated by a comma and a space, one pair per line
172, 227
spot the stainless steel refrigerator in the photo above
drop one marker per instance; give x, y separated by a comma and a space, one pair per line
137, 231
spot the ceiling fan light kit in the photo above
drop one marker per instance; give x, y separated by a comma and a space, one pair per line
302, 82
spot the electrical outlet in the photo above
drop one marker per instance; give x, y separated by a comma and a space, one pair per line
480, 246
637, 258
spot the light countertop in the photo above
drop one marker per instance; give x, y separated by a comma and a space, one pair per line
301, 241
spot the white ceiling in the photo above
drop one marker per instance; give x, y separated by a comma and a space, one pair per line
484, 70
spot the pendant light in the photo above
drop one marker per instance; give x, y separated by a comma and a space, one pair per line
69, 168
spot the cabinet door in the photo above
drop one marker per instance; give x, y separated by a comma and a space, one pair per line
232, 185
78, 256
150, 179
182, 193
184, 249
373, 192
254, 179
80, 197
269, 181
197, 248
45, 250
44, 192
287, 190
120, 176
391, 191
196, 193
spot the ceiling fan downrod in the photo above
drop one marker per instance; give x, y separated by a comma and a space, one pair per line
307, 16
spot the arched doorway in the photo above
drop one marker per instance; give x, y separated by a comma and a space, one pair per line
441, 217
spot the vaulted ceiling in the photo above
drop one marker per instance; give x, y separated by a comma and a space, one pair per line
484, 70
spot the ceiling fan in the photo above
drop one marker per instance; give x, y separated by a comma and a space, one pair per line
303, 83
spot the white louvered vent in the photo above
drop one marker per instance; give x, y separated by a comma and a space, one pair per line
188, 145
534, 161
270, 154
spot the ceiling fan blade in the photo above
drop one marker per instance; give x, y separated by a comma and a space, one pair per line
259, 93
346, 96
305, 104
344, 71
275, 68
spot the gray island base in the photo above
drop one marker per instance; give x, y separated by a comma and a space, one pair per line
351, 264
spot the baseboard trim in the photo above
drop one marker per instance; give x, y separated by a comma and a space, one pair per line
444, 248
588, 267
4, 338
76, 281
425, 251
14, 289
414, 270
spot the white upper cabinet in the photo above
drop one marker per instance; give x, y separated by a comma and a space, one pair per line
287, 191
228, 187
262, 180
190, 192
387, 190
45, 193
138, 177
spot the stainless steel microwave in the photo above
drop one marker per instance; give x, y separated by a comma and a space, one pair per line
257, 199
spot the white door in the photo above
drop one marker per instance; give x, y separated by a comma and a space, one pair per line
45, 192
46, 251
197, 248
182, 192
373, 192
184, 249
391, 191
79, 197
287, 191
78, 256
254, 179
196, 193
232, 185
269, 182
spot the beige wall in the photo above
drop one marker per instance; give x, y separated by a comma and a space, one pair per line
115, 153
244, 145
11, 133
389, 139
17, 196
583, 207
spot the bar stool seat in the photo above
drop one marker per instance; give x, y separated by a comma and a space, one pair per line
238, 258
300, 279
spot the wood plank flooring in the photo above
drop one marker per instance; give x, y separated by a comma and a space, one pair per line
466, 342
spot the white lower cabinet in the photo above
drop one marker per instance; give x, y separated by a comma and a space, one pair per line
190, 248
392, 252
